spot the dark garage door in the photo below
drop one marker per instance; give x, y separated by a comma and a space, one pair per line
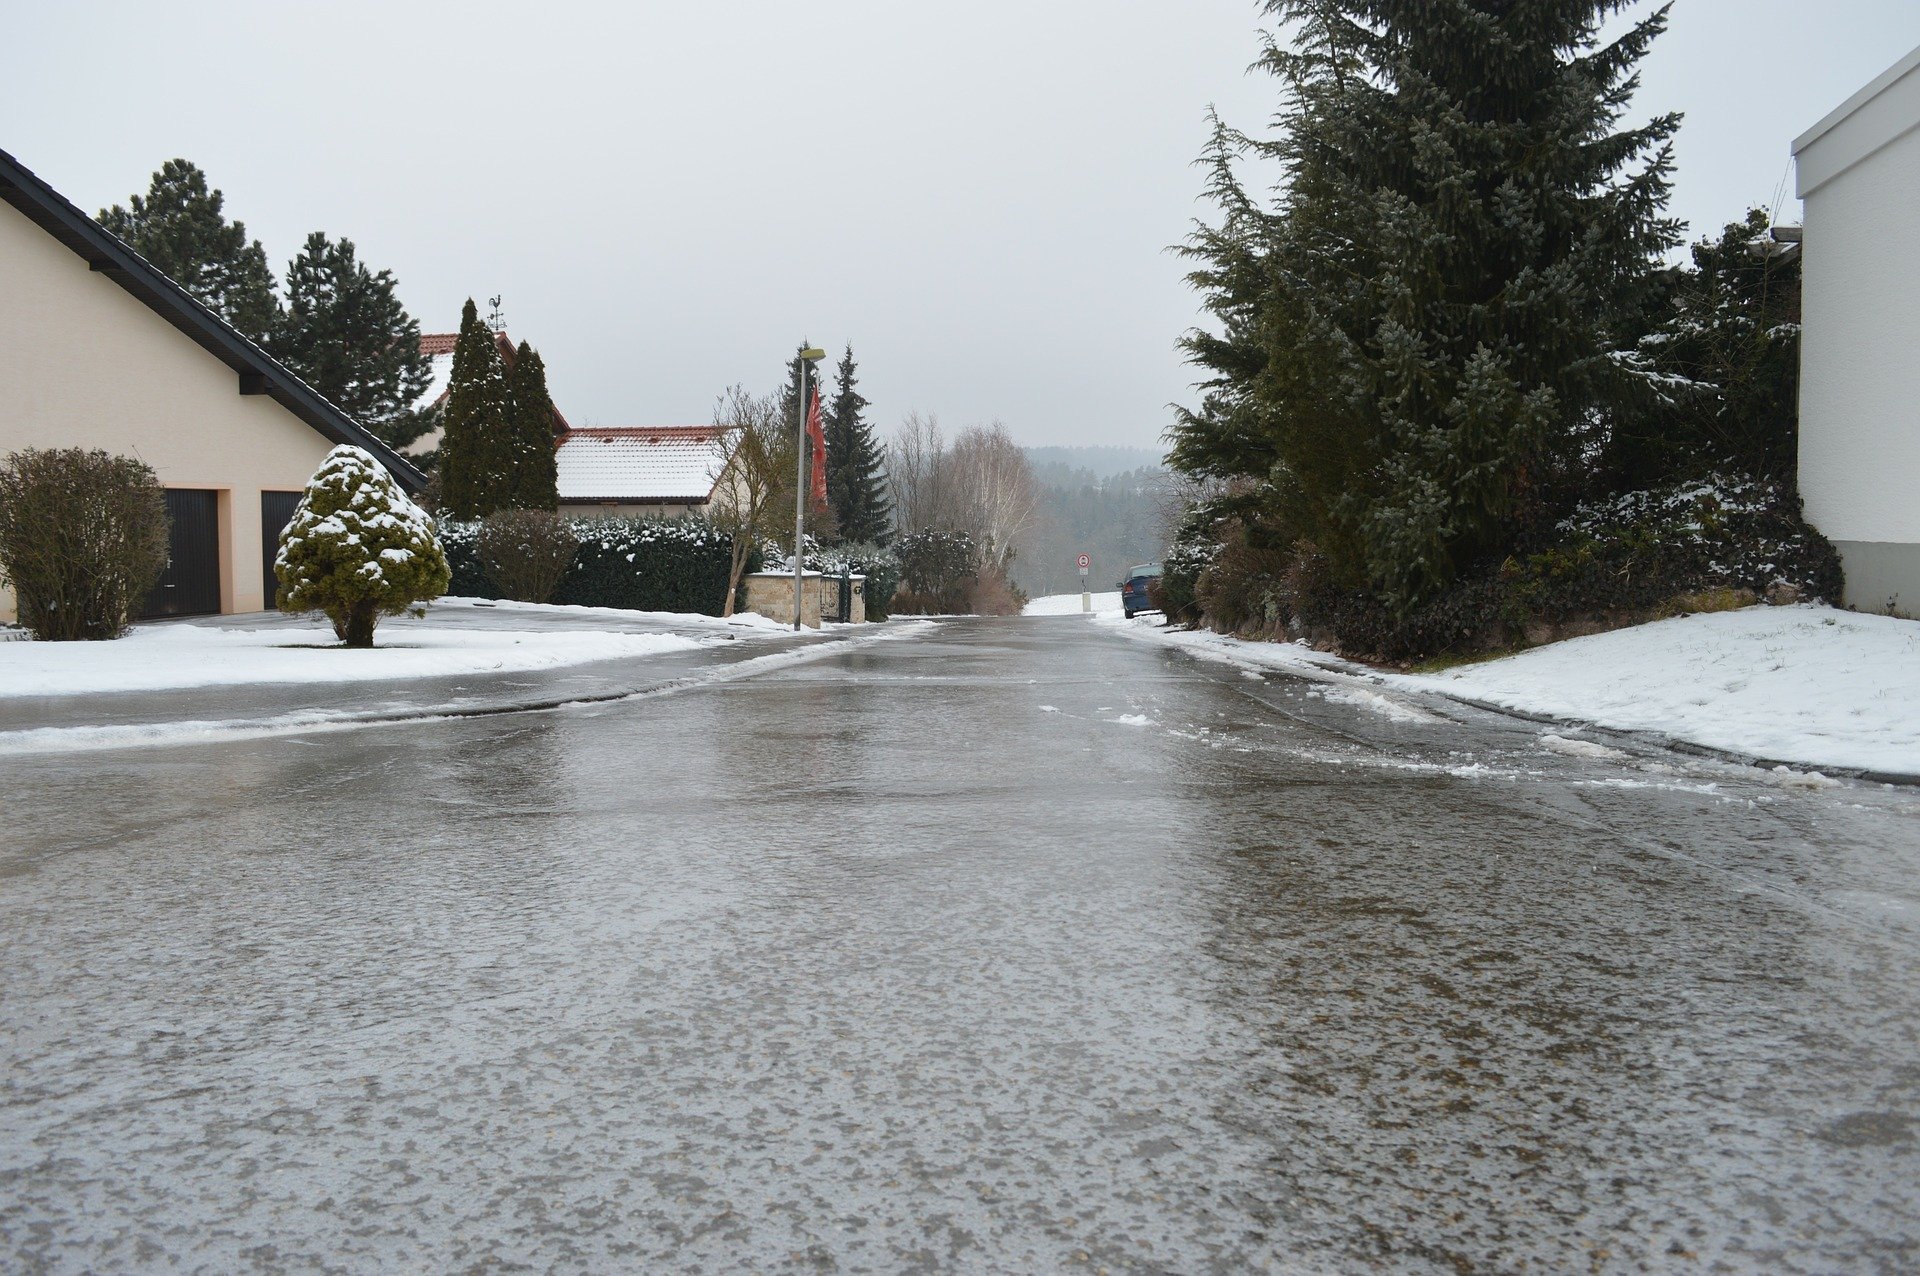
191, 584
276, 511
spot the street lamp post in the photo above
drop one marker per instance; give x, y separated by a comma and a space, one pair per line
808, 358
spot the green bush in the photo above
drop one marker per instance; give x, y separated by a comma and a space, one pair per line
1612, 561
938, 572
525, 552
83, 537
641, 564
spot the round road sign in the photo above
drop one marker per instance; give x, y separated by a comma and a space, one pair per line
1086, 561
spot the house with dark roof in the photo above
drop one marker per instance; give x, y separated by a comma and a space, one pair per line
663, 471
98, 349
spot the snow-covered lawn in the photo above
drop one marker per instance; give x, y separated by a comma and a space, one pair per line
1810, 685
1069, 604
159, 657
1800, 684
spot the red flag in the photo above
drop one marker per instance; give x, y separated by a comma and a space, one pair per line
817, 445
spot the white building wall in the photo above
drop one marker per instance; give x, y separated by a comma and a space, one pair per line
1859, 174
84, 364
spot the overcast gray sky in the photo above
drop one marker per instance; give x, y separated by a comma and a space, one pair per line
671, 195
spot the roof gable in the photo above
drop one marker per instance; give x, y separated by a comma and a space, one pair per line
257, 371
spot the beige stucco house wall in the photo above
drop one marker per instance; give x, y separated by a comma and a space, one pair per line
1859, 173
99, 350
85, 364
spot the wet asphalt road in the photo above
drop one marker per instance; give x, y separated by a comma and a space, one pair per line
1022, 946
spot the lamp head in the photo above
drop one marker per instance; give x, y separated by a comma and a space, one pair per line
813, 354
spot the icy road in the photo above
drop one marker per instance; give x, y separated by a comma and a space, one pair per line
1018, 946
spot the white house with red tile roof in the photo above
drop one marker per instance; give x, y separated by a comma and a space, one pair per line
665, 471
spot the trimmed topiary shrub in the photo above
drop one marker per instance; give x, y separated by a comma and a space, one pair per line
526, 552
357, 548
83, 537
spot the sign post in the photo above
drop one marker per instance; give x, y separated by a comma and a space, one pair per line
1086, 599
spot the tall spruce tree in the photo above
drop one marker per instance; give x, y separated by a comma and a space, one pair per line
534, 483
475, 459
856, 475
1417, 341
346, 334
180, 227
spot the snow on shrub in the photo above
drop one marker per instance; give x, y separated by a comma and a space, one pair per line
644, 564
357, 548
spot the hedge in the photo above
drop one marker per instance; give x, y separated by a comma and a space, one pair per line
642, 564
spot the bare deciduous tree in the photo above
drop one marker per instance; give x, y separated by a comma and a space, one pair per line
915, 459
754, 497
993, 490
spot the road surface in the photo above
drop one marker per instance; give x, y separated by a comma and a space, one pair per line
1017, 946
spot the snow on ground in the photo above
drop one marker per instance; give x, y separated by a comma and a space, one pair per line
164, 656
739, 620
1069, 604
1798, 684
1809, 685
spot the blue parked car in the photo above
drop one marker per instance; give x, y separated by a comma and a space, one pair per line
1133, 590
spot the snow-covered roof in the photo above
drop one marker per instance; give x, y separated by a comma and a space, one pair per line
668, 463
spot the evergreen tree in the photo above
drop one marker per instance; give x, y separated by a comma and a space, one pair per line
792, 398
180, 227
1417, 341
1721, 369
856, 477
534, 480
357, 548
475, 459
346, 334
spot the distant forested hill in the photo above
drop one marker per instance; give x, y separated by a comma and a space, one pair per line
1108, 502
1102, 462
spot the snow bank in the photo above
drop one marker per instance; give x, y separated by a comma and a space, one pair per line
1799, 684
1069, 604
161, 657
1808, 685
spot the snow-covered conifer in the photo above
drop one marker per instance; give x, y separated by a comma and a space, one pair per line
357, 548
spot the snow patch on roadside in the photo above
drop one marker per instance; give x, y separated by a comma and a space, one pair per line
1104, 604
1130, 720
42, 740
1811, 685
171, 656
1814, 686
1571, 748
1385, 706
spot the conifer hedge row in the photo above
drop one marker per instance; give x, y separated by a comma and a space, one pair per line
639, 563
